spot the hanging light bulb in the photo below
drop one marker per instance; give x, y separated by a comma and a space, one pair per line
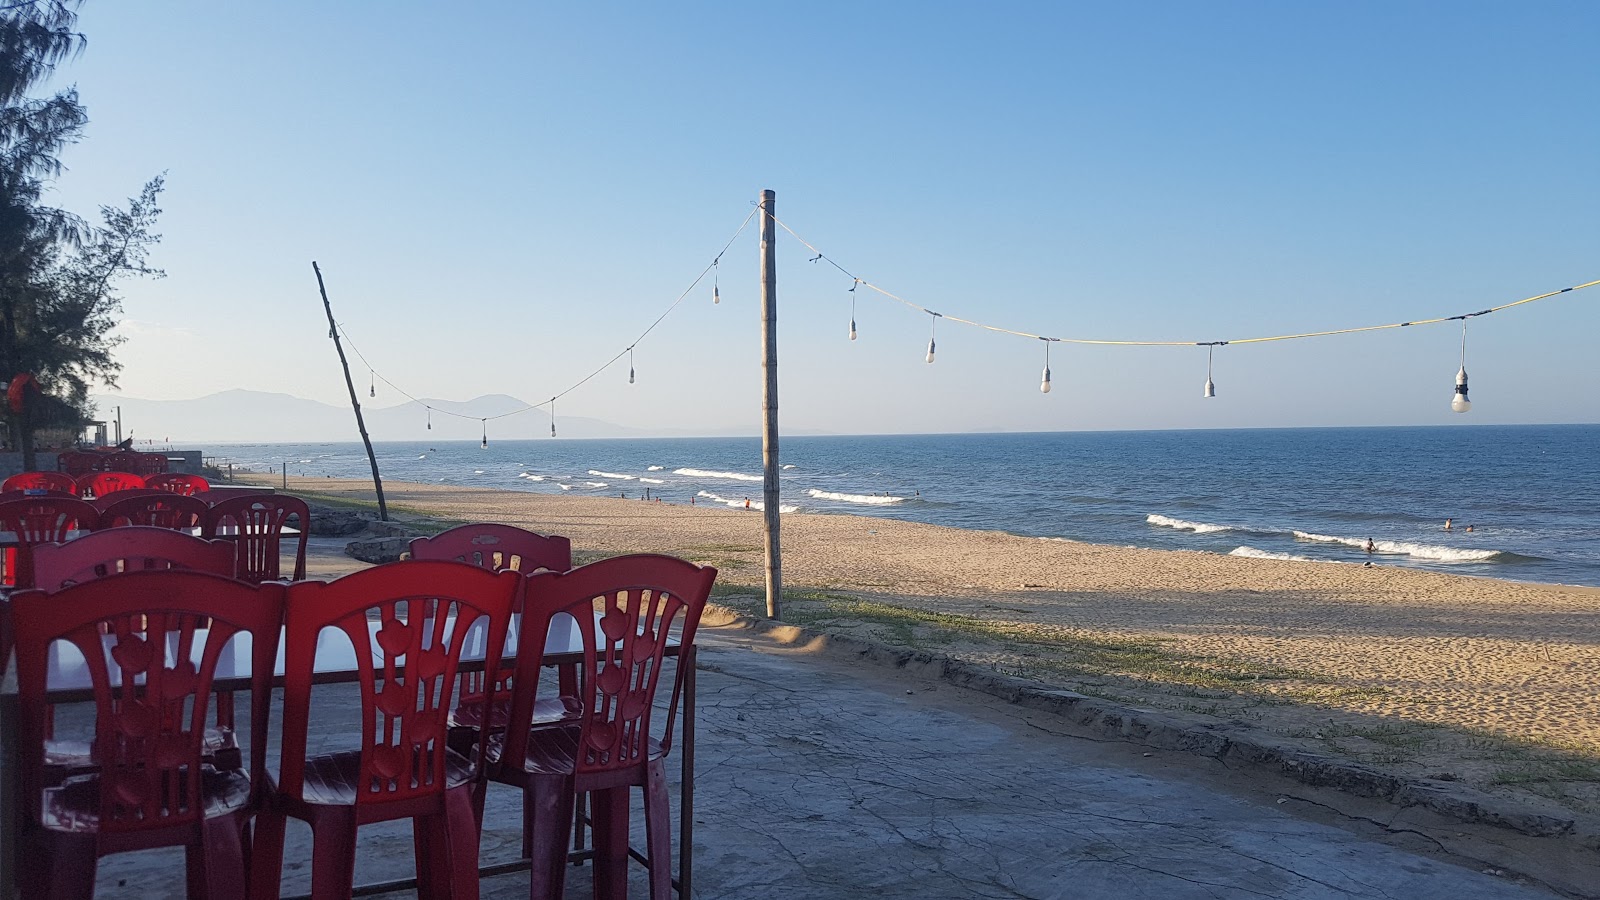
1459, 403
630, 365
484, 444
1044, 386
853, 308
430, 418
1211, 386
372, 386
552, 417
716, 274
931, 335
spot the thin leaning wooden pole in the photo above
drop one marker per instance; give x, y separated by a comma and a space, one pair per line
769, 402
361, 425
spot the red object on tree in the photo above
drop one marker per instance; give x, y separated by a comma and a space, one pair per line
16, 392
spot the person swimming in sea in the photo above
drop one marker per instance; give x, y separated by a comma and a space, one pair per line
1446, 524
1371, 547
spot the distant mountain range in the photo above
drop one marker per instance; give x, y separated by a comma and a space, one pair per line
256, 416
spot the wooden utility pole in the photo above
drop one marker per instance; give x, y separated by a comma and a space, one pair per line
361, 425
769, 401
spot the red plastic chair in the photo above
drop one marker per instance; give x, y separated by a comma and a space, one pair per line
76, 463
255, 523
612, 748
150, 788
422, 615
497, 548
137, 462
39, 520
104, 500
136, 548
161, 510
178, 483
98, 484
41, 481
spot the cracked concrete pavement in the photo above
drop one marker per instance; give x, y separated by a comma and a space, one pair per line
823, 778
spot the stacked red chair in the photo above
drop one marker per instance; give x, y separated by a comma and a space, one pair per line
41, 481
178, 483
39, 520
408, 622
497, 547
150, 786
256, 523
624, 609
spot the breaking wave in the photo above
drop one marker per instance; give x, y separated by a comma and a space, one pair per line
1253, 553
1180, 524
872, 499
1407, 548
702, 473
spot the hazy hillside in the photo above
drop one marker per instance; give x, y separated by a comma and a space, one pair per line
255, 416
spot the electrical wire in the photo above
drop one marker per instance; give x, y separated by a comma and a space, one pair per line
1251, 340
582, 381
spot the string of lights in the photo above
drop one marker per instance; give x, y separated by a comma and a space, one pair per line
1459, 402
376, 376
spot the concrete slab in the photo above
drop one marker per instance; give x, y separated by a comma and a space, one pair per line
821, 778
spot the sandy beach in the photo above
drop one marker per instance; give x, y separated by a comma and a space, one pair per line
1364, 661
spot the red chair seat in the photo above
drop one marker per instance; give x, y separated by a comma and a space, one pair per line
469, 713
74, 806
554, 751
331, 779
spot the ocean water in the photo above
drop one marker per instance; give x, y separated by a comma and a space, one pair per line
1531, 493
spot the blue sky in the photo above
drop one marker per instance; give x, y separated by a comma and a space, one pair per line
503, 195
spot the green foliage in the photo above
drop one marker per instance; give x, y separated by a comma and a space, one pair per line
58, 304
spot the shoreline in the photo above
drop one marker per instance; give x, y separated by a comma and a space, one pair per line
1354, 657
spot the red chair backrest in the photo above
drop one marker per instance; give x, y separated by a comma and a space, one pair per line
623, 608
96, 484
420, 612
136, 462
137, 548
255, 524
159, 509
41, 481
496, 547
104, 500
78, 463
40, 520
151, 641
178, 483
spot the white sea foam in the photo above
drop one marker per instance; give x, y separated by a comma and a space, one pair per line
1181, 525
873, 499
565, 487
422, 456
789, 466
596, 484
702, 473
1253, 553
651, 480
610, 475
1404, 548
655, 468
477, 471
739, 503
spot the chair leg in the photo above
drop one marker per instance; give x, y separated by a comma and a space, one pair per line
547, 808
69, 865
219, 871
425, 843
266, 856
610, 831
658, 830
457, 846
333, 857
